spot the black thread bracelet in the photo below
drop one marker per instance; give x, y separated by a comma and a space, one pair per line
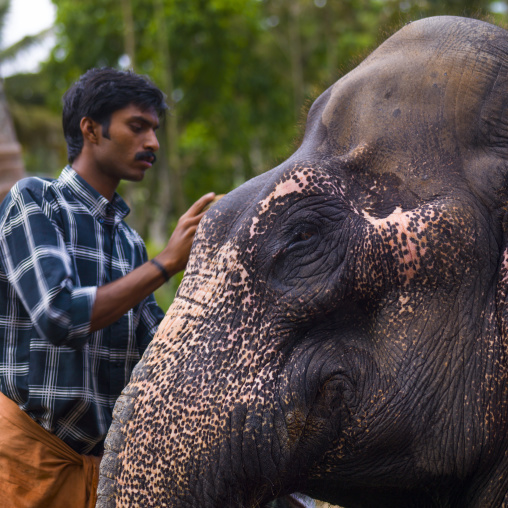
161, 268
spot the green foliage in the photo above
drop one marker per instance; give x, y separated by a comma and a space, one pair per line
165, 294
38, 128
4, 8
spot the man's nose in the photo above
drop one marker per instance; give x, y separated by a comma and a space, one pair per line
151, 142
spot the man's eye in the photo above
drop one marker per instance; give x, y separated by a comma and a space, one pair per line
136, 128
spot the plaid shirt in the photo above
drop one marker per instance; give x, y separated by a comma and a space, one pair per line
60, 240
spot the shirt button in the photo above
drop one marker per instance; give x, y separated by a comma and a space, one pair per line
100, 220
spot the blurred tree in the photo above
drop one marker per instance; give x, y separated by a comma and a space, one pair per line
11, 161
170, 181
38, 127
129, 33
10, 52
400, 12
34, 124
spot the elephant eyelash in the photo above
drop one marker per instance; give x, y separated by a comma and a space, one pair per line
302, 236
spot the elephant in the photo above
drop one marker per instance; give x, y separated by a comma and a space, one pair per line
341, 327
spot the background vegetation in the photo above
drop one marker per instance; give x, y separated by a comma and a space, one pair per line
239, 76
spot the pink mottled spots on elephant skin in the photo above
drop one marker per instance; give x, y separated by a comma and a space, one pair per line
409, 242
298, 180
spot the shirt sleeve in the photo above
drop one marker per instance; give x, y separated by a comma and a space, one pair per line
37, 264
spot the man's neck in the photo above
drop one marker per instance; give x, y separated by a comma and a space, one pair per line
97, 180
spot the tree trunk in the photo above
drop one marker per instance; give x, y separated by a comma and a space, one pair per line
295, 47
171, 196
128, 32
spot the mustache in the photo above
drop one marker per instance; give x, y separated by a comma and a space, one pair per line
147, 155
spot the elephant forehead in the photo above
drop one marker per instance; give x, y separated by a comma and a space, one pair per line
431, 76
302, 179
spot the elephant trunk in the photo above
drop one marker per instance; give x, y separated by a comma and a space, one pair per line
193, 396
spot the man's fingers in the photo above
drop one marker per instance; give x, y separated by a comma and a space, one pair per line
198, 206
212, 202
187, 221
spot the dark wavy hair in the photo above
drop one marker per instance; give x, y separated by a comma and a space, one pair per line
97, 94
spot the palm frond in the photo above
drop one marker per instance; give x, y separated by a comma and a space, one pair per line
27, 42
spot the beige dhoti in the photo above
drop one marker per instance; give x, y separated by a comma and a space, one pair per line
37, 469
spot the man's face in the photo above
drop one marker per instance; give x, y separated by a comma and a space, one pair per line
127, 148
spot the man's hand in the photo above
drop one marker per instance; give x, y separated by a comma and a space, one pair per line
175, 255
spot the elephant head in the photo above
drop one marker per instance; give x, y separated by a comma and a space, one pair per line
341, 329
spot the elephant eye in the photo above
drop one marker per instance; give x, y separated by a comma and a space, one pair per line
302, 236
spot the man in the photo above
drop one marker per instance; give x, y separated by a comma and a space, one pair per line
76, 303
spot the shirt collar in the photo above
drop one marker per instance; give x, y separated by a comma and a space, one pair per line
98, 205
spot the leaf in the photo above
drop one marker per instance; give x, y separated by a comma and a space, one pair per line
27, 42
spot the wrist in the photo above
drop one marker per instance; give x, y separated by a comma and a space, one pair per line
169, 263
162, 269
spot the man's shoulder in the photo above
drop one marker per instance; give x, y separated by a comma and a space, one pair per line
32, 184
32, 189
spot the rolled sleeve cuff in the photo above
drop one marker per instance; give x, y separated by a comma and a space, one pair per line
82, 302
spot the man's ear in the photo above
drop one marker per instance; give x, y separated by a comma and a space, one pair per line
90, 129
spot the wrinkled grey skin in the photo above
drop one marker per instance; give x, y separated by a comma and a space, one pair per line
341, 328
